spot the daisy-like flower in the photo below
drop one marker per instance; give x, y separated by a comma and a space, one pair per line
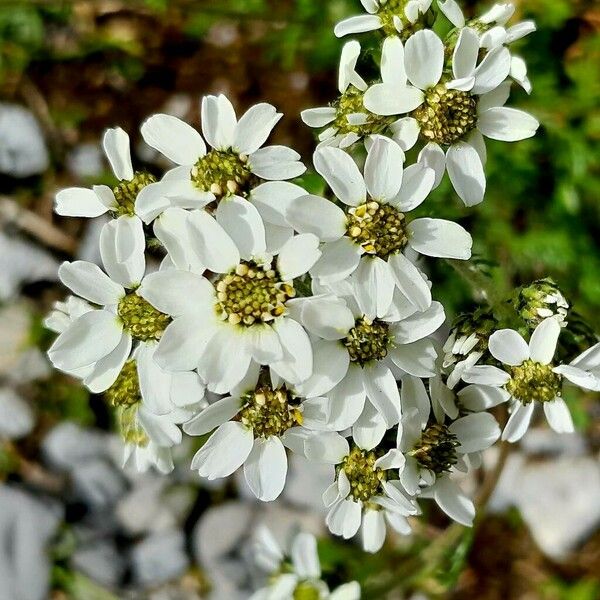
252, 427
358, 354
450, 114
242, 312
393, 17
235, 165
433, 449
371, 231
347, 119
120, 201
530, 376
296, 576
364, 494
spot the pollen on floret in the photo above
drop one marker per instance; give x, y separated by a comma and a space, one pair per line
126, 192
436, 449
140, 319
532, 381
351, 103
364, 477
368, 340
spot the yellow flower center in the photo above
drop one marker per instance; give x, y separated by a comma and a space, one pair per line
533, 381
140, 319
223, 172
436, 449
368, 340
365, 479
126, 193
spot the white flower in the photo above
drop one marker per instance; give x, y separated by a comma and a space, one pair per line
530, 376
371, 232
304, 580
363, 496
358, 354
236, 164
242, 313
251, 428
16, 416
347, 119
454, 115
393, 16
119, 201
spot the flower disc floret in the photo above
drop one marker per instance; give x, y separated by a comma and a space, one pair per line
446, 116
125, 391
350, 103
270, 412
306, 591
126, 192
141, 319
368, 340
380, 229
436, 449
252, 294
223, 172
365, 479
534, 381
395, 8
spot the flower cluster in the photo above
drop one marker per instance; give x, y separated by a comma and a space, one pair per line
308, 318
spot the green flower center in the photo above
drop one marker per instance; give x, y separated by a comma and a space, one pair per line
380, 229
252, 294
368, 340
436, 449
532, 381
141, 319
306, 591
365, 479
270, 412
125, 395
395, 8
126, 193
446, 116
350, 103
540, 300
223, 172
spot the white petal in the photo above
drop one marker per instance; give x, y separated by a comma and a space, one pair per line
263, 343
347, 400
342, 175
453, 12
214, 415
558, 415
218, 121
344, 518
276, 163
273, 198
266, 468
358, 24
542, 344
382, 391
581, 378
486, 375
313, 214
507, 124
482, 397
298, 255
414, 395
416, 359
475, 432
418, 180
115, 241
466, 173
497, 97
392, 459
392, 62
327, 317
296, 364
465, 54
518, 422
433, 156
405, 132
78, 202
373, 530
318, 117
155, 383
107, 369
176, 292
214, 247
327, 447
453, 502
339, 259
440, 238
410, 282
424, 58
88, 281
390, 99
492, 70
305, 557
507, 346
88, 339
116, 147
370, 427
373, 284
347, 74
224, 452
330, 365
419, 325
383, 169
254, 127
151, 201
494, 37
520, 30
177, 140
243, 223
